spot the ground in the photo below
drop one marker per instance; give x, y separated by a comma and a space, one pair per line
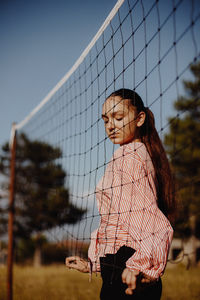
56, 282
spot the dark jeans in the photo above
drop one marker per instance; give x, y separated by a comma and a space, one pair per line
112, 267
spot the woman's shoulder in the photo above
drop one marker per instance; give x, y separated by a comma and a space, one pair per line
132, 153
134, 150
132, 158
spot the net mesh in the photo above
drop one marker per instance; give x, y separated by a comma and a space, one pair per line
148, 46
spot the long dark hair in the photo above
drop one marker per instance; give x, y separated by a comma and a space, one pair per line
149, 136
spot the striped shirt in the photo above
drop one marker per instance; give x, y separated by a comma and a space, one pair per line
127, 203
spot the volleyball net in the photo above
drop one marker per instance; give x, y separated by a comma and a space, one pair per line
146, 46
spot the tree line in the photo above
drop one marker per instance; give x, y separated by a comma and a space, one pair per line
42, 199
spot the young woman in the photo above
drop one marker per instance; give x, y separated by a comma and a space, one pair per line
135, 198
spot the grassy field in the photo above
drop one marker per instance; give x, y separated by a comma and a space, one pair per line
57, 282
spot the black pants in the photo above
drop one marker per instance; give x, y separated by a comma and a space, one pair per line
112, 267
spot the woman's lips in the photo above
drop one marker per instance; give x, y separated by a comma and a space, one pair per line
113, 135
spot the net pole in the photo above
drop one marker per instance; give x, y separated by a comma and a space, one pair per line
11, 216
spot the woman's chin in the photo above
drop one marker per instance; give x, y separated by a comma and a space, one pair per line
115, 140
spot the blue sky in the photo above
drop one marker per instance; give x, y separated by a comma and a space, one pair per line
39, 42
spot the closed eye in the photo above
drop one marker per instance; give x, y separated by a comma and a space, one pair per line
105, 120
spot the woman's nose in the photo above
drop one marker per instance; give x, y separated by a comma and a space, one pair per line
110, 125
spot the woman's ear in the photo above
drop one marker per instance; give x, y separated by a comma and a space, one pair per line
141, 118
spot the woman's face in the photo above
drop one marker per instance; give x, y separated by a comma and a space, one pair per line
121, 120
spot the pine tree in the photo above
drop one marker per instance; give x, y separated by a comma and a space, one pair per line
42, 200
183, 146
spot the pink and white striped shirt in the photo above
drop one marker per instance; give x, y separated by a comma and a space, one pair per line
126, 198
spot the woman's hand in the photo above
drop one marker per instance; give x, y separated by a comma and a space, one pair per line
77, 263
129, 277
147, 280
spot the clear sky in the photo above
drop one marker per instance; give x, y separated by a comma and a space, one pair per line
40, 40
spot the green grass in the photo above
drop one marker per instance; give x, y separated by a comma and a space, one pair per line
57, 282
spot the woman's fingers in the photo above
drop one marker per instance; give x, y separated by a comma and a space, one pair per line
147, 279
77, 263
129, 277
132, 279
124, 273
72, 262
129, 291
69, 261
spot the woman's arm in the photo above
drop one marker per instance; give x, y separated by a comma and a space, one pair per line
133, 195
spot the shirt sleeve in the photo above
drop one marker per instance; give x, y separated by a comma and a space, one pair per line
134, 198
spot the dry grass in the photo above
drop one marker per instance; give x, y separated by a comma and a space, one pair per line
57, 282
179, 283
